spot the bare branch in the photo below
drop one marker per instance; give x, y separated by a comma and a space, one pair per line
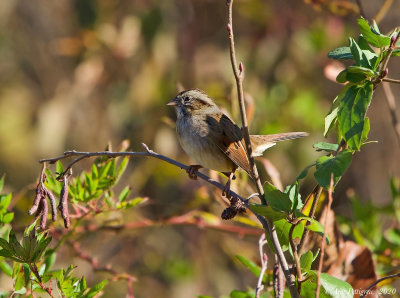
383, 11
264, 263
389, 80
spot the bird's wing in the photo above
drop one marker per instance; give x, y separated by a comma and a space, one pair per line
229, 138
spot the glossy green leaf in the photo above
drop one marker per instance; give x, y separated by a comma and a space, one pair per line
351, 113
336, 165
342, 53
372, 35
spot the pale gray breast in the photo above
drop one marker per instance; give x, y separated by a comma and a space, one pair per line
194, 139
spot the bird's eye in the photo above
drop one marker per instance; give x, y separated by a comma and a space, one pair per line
186, 99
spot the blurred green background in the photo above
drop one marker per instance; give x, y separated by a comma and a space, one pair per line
78, 74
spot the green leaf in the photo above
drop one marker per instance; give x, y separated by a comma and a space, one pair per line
268, 212
96, 289
331, 118
346, 76
40, 248
95, 173
5, 201
277, 199
303, 173
282, 229
124, 194
121, 168
253, 267
324, 146
19, 278
372, 35
313, 225
342, 53
351, 114
393, 236
361, 70
366, 128
336, 165
6, 268
59, 167
18, 250
7, 218
50, 259
27, 273
330, 286
372, 57
294, 196
306, 260
7, 254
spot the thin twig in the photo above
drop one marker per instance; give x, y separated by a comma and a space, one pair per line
378, 281
389, 80
268, 226
390, 100
295, 255
383, 11
321, 258
264, 263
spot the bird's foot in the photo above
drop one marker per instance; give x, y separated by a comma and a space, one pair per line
227, 189
191, 169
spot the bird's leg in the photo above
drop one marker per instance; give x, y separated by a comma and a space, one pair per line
227, 189
191, 169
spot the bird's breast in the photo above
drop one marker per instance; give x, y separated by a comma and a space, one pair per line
196, 141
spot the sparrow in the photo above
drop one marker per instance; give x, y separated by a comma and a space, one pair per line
213, 140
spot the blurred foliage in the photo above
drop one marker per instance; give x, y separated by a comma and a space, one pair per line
78, 74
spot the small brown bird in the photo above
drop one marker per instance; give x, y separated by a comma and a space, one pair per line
213, 140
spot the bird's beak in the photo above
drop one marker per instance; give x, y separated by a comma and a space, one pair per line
173, 102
